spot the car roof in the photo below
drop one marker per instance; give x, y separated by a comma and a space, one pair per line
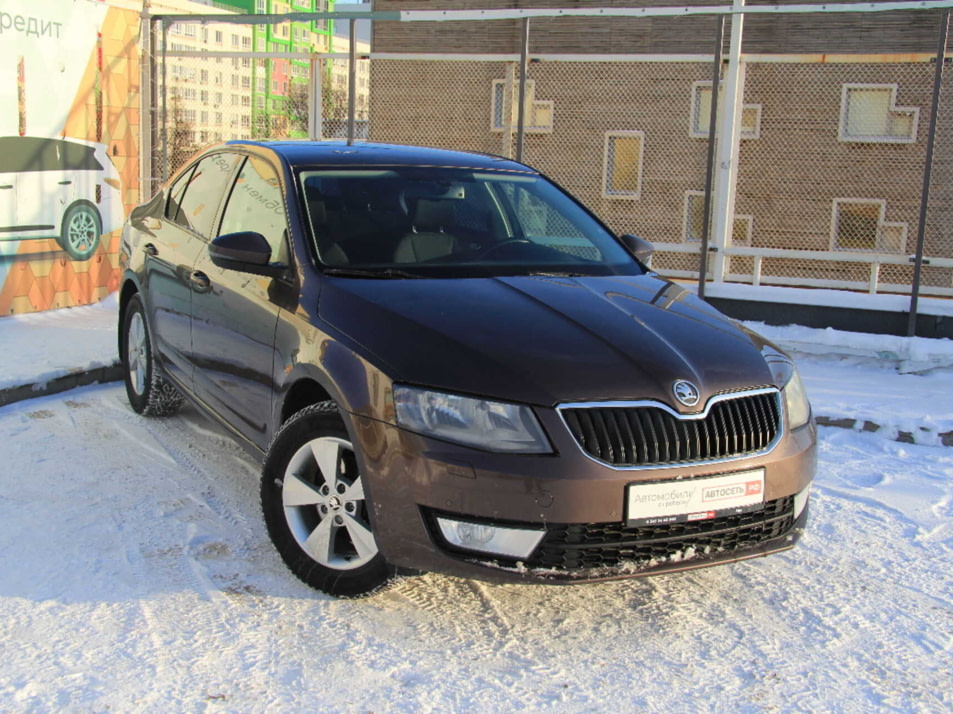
305, 153
44, 140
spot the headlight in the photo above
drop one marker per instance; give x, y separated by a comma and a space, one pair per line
494, 426
787, 378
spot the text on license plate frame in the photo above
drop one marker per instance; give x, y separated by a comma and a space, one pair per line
694, 499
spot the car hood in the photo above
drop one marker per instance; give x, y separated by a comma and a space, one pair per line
546, 340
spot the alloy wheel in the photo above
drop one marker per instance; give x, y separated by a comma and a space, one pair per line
323, 500
137, 353
81, 233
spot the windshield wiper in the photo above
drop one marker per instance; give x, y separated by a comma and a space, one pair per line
384, 274
556, 274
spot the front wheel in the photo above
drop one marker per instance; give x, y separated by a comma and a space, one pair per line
315, 508
79, 235
148, 393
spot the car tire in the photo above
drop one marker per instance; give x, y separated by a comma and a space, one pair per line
314, 506
149, 394
80, 232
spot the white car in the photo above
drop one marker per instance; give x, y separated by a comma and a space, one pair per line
65, 189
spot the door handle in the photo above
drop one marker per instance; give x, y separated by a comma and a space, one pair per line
9, 185
150, 249
65, 183
200, 280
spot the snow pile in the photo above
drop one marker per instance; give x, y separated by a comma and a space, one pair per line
905, 354
45, 345
916, 404
823, 298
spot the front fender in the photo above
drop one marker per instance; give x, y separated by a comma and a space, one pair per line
352, 380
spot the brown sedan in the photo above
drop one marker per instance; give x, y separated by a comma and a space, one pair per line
446, 363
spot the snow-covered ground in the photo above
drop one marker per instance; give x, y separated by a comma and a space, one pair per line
38, 347
136, 575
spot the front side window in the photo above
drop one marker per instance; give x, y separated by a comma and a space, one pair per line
76, 157
455, 223
256, 204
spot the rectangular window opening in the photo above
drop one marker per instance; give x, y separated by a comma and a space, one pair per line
622, 164
860, 225
701, 113
869, 113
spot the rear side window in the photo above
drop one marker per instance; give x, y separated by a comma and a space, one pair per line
176, 193
195, 197
76, 157
21, 154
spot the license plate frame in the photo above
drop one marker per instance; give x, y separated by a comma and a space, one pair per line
701, 498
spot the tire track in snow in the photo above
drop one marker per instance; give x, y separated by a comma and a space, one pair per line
210, 544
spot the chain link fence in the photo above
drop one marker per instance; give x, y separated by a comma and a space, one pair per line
829, 181
937, 277
255, 79
820, 187
609, 141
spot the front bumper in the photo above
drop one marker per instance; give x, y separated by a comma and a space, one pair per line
411, 479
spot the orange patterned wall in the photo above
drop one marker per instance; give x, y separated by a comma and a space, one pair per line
105, 110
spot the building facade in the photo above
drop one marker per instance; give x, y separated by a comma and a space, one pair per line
207, 99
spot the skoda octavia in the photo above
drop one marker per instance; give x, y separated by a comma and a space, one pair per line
446, 363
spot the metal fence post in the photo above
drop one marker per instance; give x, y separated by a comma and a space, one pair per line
710, 167
928, 173
521, 109
351, 79
315, 102
726, 162
165, 104
147, 125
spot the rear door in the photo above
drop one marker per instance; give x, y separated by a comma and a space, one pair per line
234, 318
45, 189
171, 248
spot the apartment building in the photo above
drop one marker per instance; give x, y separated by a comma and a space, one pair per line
280, 84
208, 99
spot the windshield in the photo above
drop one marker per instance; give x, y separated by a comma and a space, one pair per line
435, 222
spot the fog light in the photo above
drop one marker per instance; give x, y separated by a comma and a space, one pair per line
511, 542
800, 500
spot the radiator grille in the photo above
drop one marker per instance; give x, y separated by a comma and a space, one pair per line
648, 435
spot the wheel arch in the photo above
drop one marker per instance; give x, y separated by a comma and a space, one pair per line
126, 291
303, 392
82, 202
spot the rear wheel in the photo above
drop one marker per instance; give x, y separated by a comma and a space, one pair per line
148, 393
314, 505
79, 235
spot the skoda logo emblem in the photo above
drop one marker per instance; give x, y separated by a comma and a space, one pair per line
685, 392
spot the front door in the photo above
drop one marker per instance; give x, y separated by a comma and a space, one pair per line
235, 317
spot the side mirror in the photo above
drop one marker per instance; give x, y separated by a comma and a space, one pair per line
246, 252
639, 247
